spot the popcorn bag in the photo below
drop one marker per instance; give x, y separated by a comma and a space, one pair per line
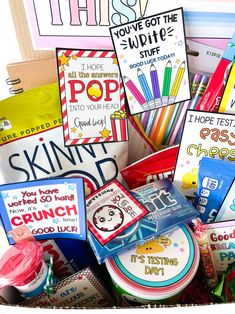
116, 188
33, 148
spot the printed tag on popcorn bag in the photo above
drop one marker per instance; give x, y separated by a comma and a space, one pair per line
82, 289
92, 97
48, 208
111, 210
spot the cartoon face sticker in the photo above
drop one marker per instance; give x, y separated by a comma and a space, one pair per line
108, 218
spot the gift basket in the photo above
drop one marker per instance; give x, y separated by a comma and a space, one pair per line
117, 168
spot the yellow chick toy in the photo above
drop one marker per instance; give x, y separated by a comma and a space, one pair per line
189, 180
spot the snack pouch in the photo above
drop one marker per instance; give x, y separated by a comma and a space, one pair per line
211, 98
215, 177
32, 145
168, 208
227, 209
155, 167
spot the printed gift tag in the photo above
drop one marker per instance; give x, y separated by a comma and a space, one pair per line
111, 210
48, 208
152, 58
212, 136
82, 289
227, 103
92, 97
221, 237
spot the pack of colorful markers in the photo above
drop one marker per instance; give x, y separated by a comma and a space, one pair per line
117, 170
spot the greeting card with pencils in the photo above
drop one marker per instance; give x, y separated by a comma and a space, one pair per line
151, 54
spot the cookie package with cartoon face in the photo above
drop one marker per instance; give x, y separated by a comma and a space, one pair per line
157, 270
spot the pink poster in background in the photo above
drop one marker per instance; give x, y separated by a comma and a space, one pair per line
86, 23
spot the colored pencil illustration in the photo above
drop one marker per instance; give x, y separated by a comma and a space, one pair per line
155, 86
166, 83
143, 6
146, 89
135, 92
176, 84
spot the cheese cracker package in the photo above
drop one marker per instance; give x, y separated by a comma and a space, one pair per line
32, 145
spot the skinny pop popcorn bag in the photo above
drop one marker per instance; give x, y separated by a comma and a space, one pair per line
32, 145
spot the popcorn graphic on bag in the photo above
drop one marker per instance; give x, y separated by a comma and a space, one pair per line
119, 126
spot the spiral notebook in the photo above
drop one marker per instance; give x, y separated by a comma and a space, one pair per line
30, 74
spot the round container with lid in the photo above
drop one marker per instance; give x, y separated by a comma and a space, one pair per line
23, 267
158, 270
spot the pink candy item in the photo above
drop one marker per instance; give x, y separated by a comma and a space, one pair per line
22, 266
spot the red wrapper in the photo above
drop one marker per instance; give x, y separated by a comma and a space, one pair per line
155, 167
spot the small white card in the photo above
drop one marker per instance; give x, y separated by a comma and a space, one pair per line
152, 57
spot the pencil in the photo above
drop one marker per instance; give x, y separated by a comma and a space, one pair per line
149, 125
164, 122
176, 84
140, 128
144, 118
177, 125
146, 89
196, 79
200, 92
155, 86
179, 122
156, 122
175, 114
135, 92
166, 83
